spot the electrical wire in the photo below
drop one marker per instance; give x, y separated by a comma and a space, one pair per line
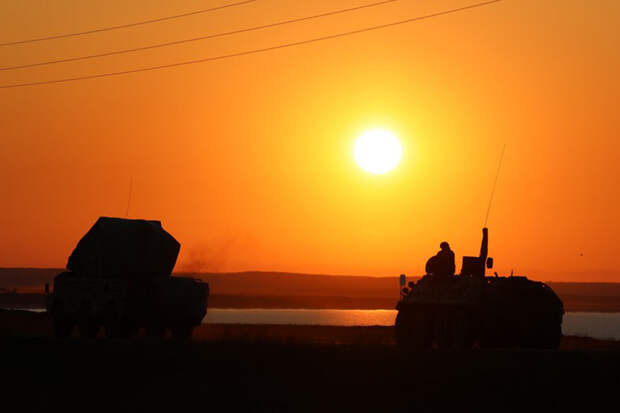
124, 26
211, 36
255, 51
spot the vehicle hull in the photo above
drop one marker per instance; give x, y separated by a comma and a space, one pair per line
123, 305
491, 312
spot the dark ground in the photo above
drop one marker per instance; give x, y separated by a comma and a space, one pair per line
293, 368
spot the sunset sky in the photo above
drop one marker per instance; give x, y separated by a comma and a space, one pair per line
248, 161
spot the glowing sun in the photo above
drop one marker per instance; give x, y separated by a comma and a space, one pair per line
377, 151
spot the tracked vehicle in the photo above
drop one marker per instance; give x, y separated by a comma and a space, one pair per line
470, 308
119, 278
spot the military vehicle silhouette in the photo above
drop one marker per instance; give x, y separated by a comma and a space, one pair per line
460, 311
119, 277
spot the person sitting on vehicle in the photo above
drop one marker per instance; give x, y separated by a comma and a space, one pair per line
442, 264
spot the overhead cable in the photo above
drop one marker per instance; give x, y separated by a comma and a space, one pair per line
210, 36
254, 51
124, 26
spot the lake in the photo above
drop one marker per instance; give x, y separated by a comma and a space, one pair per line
595, 325
604, 326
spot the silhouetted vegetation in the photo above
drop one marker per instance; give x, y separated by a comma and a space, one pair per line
293, 368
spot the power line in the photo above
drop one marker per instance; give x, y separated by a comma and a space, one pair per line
211, 36
123, 26
254, 51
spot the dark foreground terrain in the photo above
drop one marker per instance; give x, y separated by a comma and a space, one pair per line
293, 368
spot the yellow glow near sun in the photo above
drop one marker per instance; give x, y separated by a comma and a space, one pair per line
377, 151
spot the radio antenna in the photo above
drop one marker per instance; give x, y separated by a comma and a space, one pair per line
129, 198
501, 158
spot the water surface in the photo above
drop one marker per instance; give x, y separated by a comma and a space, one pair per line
604, 326
595, 325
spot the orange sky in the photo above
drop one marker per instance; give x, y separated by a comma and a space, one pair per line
248, 161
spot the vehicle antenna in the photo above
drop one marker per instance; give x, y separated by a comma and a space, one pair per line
129, 198
501, 158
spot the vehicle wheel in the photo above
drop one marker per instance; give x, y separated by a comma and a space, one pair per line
463, 336
89, 329
501, 333
414, 329
117, 329
552, 337
545, 334
443, 330
489, 336
114, 325
61, 324
402, 329
155, 331
422, 334
88, 326
182, 332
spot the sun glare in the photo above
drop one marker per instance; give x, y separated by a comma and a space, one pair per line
377, 151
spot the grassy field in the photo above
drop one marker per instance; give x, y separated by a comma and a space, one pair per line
294, 368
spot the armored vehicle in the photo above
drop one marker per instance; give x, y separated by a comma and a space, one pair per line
119, 278
460, 311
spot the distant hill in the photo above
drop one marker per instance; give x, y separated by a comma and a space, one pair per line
269, 283
292, 290
251, 282
27, 278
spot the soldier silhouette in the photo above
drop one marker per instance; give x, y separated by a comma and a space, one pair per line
442, 264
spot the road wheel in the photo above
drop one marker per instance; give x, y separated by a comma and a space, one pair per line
414, 330
182, 332
552, 336
117, 329
443, 330
114, 325
462, 329
402, 328
422, 333
62, 325
155, 331
543, 334
88, 325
